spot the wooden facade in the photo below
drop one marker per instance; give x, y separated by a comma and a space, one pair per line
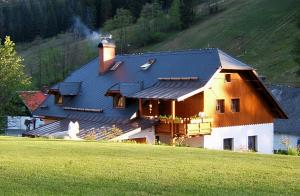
253, 109
230, 87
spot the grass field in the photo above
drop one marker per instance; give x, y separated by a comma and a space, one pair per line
44, 167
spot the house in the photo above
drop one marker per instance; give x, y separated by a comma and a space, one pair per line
287, 130
16, 125
205, 96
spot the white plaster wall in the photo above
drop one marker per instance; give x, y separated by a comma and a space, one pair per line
264, 133
278, 145
149, 134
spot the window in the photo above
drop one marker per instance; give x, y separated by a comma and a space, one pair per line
58, 99
148, 64
116, 65
228, 77
235, 105
119, 101
228, 144
252, 143
220, 108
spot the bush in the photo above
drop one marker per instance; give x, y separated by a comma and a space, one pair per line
292, 151
284, 152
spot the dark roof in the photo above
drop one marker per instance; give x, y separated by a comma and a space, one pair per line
169, 89
102, 128
289, 98
69, 88
125, 88
194, 63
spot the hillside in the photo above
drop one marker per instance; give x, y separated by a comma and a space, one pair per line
260, 32
45, 167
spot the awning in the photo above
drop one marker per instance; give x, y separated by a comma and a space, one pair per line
171, 90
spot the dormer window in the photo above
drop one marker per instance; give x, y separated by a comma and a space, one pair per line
58, 99
119, 101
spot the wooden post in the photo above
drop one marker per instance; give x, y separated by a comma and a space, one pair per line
173, 118
140, 107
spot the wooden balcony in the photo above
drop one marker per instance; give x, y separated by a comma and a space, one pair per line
199, 126
185, 126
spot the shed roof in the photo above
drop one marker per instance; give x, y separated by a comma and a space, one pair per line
169, 89
102, 128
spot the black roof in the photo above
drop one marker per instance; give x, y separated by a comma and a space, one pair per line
289, 99
201, 63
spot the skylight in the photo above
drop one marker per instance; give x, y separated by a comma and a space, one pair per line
116, 65
148, 64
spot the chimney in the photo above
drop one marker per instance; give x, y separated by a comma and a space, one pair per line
106, 55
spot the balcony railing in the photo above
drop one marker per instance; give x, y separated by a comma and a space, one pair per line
189, 126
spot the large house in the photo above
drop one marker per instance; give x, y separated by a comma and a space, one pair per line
205, 96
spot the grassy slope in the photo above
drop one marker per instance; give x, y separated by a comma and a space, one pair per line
260, 32
37, 167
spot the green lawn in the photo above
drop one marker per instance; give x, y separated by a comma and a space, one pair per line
44, 167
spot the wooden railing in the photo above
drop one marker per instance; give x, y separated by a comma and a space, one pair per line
186, 126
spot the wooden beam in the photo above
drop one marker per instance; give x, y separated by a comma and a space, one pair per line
173, 118
140, 107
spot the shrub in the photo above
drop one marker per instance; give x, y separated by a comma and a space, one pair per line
91, 136
292, 151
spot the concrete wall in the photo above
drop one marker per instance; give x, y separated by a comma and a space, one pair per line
263, 132
278, 138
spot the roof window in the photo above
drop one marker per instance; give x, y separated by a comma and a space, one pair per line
147, 65
116, 65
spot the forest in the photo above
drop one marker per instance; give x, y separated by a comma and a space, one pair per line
24, 20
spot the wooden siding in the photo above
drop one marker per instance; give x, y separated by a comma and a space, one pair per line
253, 109
190, 107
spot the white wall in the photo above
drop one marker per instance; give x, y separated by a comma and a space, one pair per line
264, 133
17, 122
278, 145
149, 134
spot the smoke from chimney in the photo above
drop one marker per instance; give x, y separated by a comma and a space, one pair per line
79, 28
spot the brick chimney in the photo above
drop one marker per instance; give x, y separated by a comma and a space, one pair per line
106, 55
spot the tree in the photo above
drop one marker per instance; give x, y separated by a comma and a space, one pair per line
12, 77
296, 49
175, 15
120, 23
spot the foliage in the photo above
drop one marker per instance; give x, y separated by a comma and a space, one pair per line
12, 77
292, 151
93, 168
91, 136
120, 23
